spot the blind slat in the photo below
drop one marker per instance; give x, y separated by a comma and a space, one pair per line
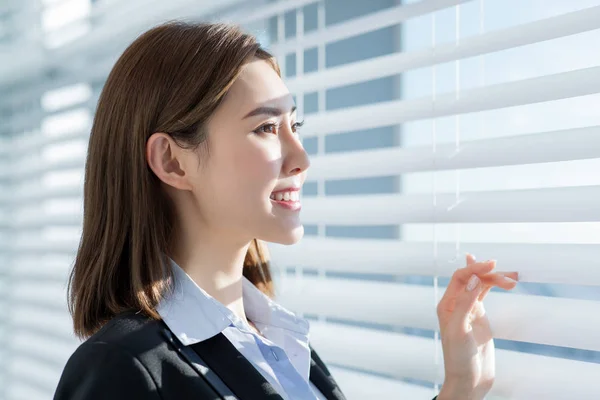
35, 143
48, 321
41, 246
268, 11
518, 375
379, 67
44, 293
527, 91
512, 316
46, 348
34, 378
34, 169
41, 193
536, 262
563, 145
30, 120
358, 385
109, 35
38, 220
368, 23
567, 204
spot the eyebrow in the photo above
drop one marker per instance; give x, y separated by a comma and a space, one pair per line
271, 111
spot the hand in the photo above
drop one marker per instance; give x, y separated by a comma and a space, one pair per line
467, 342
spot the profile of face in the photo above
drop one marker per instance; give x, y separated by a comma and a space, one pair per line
247, 185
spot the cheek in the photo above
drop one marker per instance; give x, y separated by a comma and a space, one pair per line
257, 165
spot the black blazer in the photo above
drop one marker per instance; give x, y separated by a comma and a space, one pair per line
135, 357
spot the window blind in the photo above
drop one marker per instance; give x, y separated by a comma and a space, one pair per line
448, 206
435, 128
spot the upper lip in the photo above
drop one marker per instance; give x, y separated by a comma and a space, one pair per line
288, 189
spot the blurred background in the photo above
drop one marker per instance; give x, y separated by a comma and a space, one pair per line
435, 127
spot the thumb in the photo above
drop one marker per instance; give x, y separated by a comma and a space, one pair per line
467, 299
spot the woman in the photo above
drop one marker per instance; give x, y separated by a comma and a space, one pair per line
194, 159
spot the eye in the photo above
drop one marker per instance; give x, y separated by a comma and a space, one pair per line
272, 128
266, 128
296, 126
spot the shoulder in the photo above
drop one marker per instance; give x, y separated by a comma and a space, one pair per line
129, 331
128, 334
115, 357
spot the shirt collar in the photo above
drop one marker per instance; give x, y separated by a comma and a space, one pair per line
194, 316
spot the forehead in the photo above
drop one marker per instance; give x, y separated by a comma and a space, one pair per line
258, 85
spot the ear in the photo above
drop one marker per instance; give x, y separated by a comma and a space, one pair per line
167, 160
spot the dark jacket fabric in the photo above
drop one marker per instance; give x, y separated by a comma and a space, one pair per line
136, 357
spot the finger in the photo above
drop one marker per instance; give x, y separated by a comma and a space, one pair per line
471, 259
461, 276
504, 280
459, 281
466, 300
479, 268
484, 292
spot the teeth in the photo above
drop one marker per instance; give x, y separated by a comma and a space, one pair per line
286, 196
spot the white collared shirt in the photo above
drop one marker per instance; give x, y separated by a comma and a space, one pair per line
282, 356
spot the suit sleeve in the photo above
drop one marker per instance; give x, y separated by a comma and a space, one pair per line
104, 371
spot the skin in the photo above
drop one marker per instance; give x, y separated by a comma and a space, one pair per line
222, 203
222, 200
467, 343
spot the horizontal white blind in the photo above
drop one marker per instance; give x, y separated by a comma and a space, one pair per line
435, 127
536, 262
502, 165
519, 375
392, 302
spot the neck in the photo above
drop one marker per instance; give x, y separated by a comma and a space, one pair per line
216, 265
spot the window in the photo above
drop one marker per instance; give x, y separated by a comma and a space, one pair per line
483, 121
435, 127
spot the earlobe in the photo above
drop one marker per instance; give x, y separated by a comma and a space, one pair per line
165, 160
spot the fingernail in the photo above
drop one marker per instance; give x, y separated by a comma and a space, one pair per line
509, 279
473, 282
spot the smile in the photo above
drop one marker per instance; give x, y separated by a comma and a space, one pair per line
286, 196
289, 199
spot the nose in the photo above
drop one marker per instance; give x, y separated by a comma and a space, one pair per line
296, 159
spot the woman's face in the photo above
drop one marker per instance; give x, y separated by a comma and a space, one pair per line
254, 153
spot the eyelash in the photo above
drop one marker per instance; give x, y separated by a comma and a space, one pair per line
295, 127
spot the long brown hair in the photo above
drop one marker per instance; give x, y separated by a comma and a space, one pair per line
170, 80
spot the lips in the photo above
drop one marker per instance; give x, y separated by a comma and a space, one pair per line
285, 196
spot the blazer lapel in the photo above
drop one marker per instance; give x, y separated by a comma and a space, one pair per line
322, 378
239, 375
246, 382
234, 369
